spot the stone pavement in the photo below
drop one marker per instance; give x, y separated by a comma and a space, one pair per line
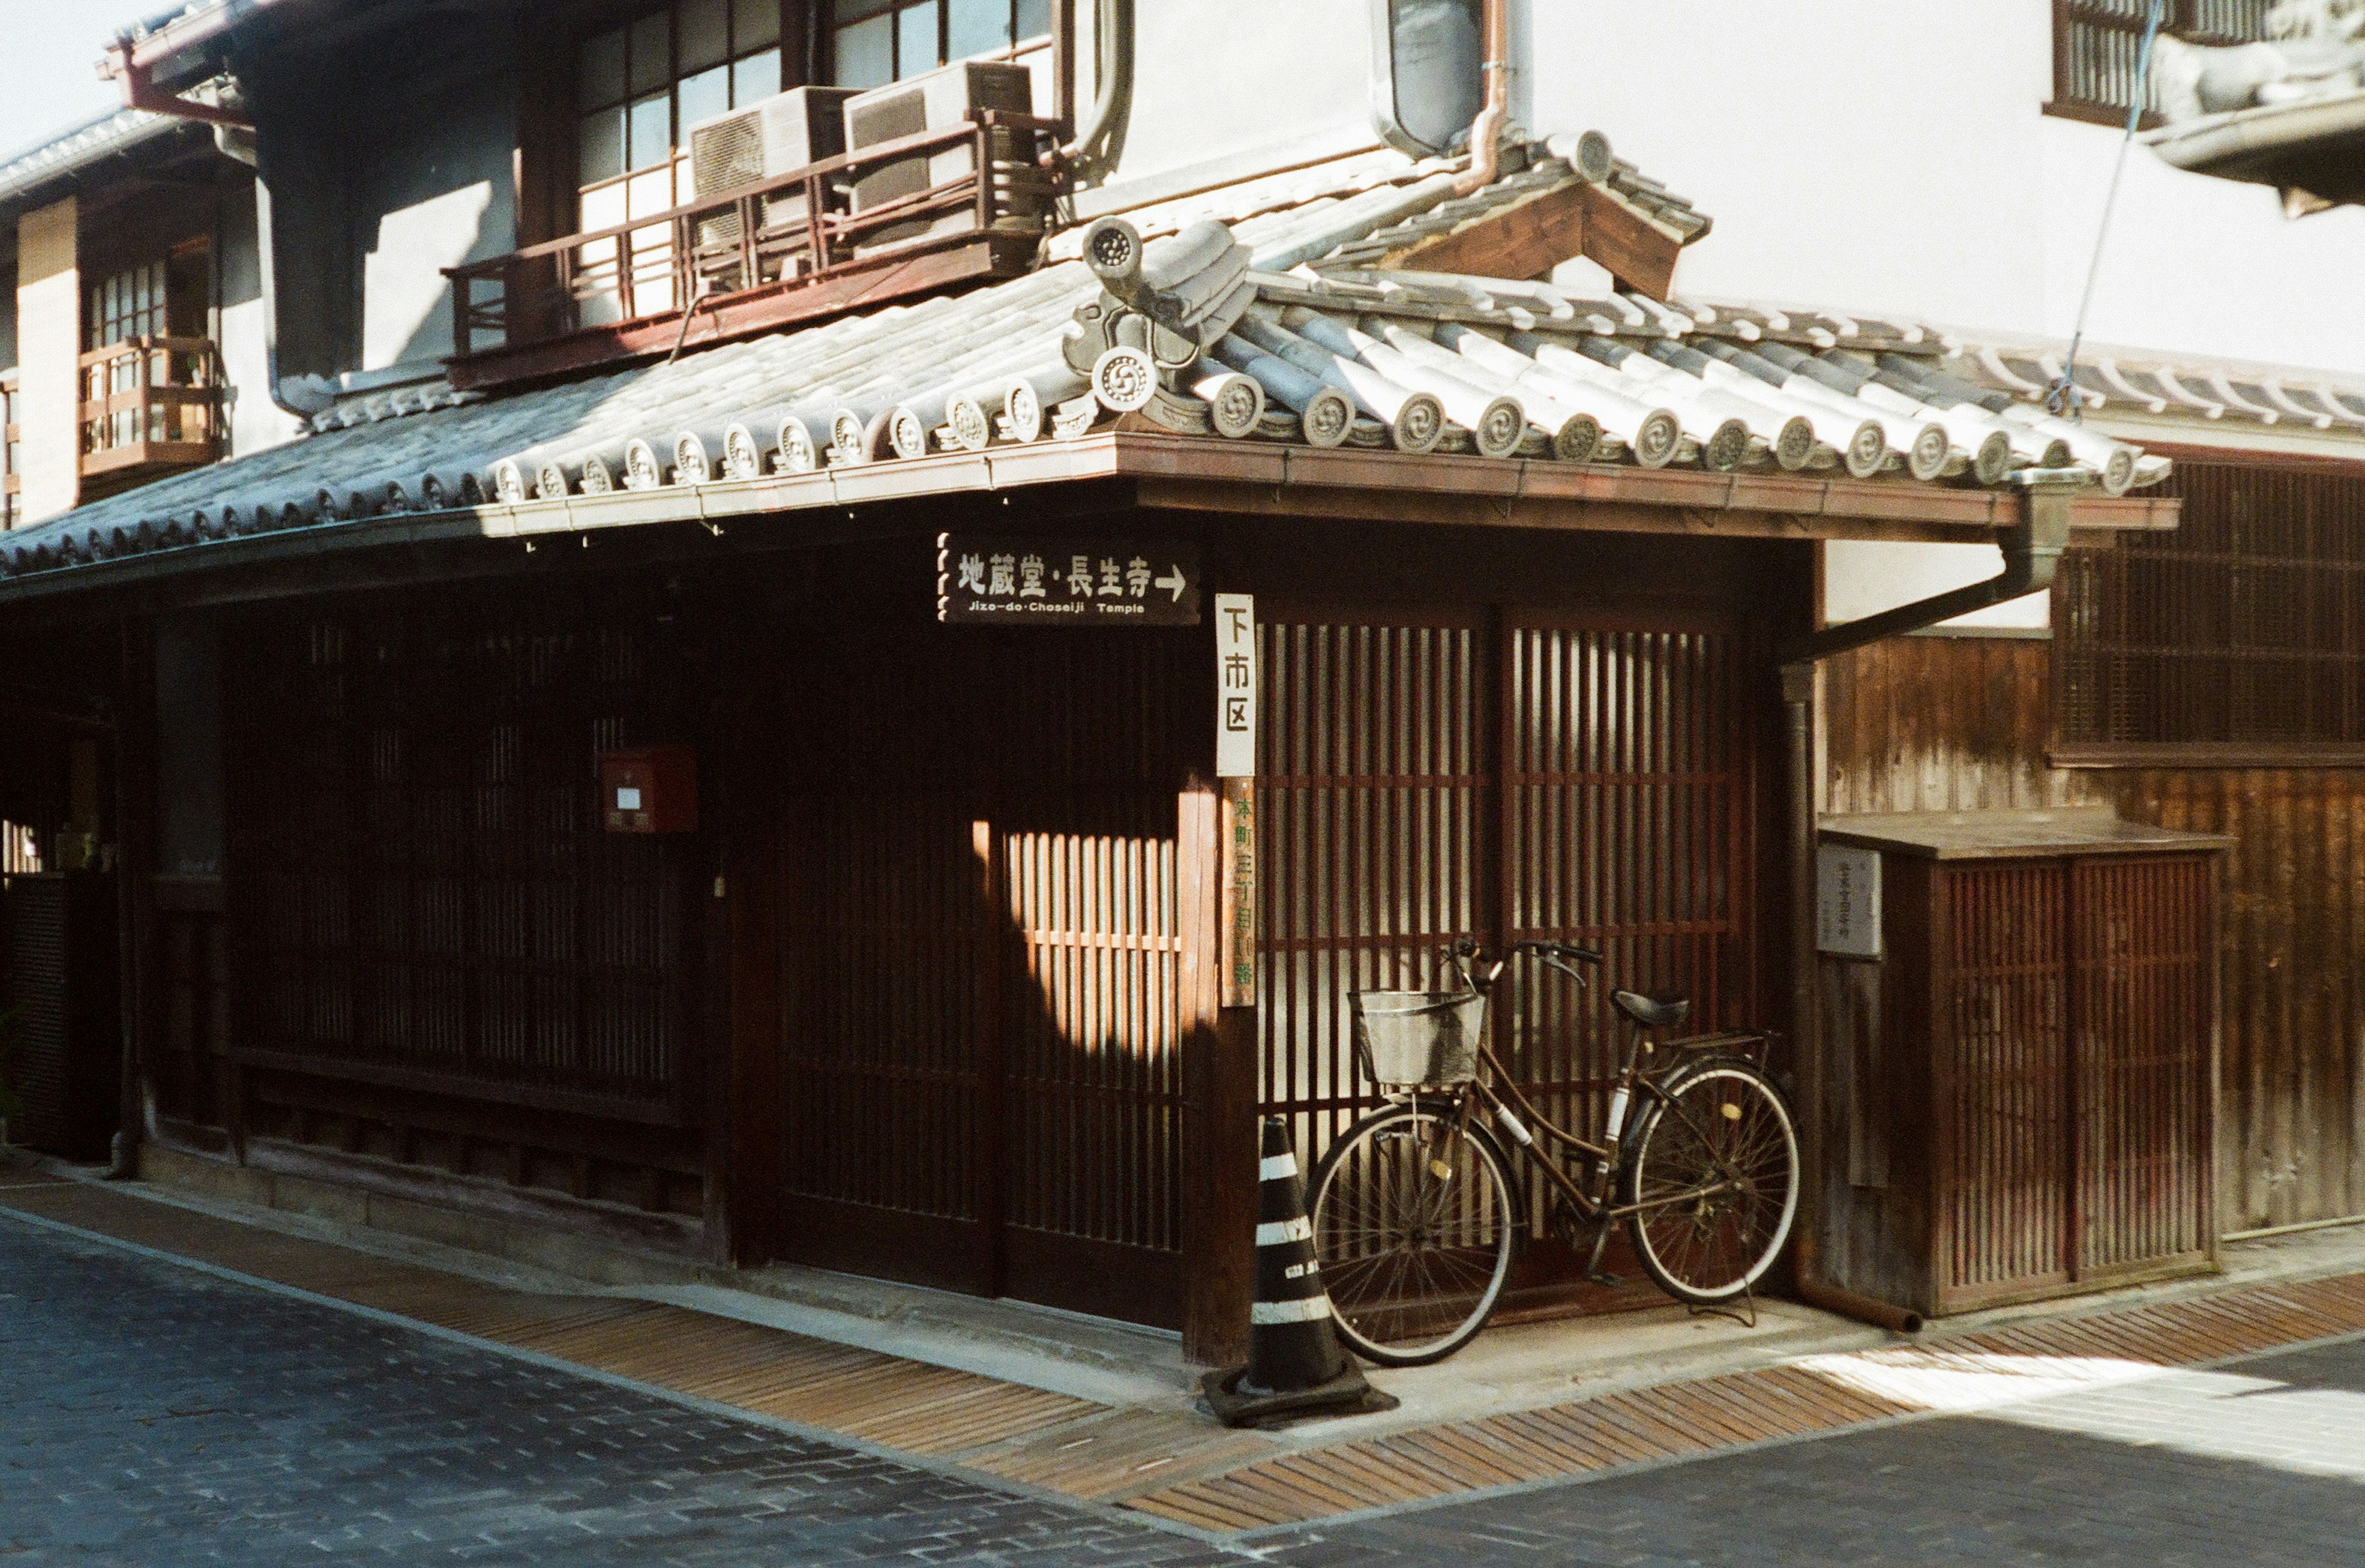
151, 1413
2262, 1467
160, 1416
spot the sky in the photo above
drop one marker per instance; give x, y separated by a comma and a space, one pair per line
48, 77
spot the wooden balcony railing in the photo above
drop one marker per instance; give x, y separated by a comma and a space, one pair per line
785, 249
151, 404
11, 486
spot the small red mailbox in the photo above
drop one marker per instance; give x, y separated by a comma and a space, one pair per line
652, 790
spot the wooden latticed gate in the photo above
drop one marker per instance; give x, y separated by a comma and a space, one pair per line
980, 1053
1507, 777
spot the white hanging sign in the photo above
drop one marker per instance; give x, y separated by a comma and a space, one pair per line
1236, 686
1847, 900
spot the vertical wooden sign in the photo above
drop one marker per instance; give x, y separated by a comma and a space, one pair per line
1236, 726
1239, 946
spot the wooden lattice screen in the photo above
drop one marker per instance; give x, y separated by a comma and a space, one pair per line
1424, 782
424, 893
2002, 1079
2073, 1080
2244, 626
980, 1044
2143, 959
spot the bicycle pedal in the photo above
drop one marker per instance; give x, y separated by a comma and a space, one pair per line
1602, 1277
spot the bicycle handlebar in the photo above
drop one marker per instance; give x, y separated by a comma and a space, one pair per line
1466, 949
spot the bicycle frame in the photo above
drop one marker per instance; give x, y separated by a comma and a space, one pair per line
1514, 1115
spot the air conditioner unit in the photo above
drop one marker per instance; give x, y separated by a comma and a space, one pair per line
773, 137
936, 101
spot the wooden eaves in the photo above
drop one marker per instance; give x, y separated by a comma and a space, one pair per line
1527, 239
1156, 472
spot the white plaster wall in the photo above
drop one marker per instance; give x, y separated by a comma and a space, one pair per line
49, 360
255, 421
1894, 158
1215, 78
1864, 578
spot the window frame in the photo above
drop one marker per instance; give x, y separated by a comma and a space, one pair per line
826, 28
2095, 748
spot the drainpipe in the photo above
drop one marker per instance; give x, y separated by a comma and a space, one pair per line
1063, 65
1487, 130
2032, 553
234, 136
266, 266
1097, 141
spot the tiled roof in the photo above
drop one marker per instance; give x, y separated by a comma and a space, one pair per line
110, 133
2114, 381
1251, 319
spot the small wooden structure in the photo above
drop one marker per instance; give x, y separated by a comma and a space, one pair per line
151, 405
2021, 1082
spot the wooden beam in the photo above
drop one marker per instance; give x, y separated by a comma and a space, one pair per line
1632, 249
1527, 240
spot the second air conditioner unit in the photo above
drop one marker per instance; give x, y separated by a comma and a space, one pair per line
936, 101
773, 137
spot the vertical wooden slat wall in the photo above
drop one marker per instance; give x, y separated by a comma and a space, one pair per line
980, 1034
1937, 724
2142, 951
1374, 775
1422, 779
1627, 830
2003, 1083
423, 902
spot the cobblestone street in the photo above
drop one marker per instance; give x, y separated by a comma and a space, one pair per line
158, 1414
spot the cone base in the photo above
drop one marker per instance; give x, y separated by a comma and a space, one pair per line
1347, 1394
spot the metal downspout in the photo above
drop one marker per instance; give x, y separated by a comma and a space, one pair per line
1487, 130
2032, 553
1097, 140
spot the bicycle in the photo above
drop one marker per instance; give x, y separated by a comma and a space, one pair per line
1415, 1219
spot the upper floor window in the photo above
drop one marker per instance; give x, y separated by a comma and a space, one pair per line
2098, 47
2244, 628
129, 305
876, 42
639, 88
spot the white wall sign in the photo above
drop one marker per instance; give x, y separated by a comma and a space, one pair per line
1236, 686
1847, 900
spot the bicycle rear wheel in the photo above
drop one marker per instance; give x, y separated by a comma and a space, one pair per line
1715, 1172
1414, 1229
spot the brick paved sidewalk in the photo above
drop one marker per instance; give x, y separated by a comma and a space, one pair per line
157, 1415
161, 1416
1184, 1471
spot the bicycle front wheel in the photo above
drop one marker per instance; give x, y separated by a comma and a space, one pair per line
1414, 1227
1715, 1176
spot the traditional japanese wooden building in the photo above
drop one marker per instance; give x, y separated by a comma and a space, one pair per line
715, 758
916, 968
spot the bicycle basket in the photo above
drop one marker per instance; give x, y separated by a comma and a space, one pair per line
1420, 1038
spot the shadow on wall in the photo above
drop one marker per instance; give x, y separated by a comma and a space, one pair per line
440, 197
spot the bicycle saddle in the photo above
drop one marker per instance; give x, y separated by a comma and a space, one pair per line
1652, 1012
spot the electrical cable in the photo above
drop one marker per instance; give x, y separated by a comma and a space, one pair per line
2064, 399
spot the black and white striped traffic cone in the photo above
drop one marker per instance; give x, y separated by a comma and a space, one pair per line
1297, 1366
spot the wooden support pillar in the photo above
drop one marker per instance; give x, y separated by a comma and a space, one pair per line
746, 1144
135, 878
1219, 1069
